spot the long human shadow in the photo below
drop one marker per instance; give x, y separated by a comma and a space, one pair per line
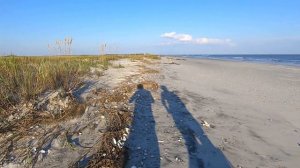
202, 153
142, 144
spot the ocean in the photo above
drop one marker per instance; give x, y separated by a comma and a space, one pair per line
283, 59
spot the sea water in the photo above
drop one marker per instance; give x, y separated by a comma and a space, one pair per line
273, 59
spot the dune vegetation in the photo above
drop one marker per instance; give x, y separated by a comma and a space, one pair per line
22, 78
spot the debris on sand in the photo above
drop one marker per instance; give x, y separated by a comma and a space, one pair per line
28, 131
239, 166
113, 105
57, 121
206, 124
172, 62
178, 159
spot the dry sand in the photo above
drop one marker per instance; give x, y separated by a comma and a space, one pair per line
254, 109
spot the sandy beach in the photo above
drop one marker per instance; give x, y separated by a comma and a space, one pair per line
252, 110
179, 112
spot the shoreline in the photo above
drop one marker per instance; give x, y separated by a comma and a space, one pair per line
235, 60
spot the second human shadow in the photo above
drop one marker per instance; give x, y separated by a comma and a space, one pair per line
201, 152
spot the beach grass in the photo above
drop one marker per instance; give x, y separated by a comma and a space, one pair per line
22, 78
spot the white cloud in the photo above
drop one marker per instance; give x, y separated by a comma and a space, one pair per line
205, 40
179, 37
187, 38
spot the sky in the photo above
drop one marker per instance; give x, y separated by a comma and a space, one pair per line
32, 27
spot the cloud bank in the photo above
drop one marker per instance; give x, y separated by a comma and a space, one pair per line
179, 37
187, 38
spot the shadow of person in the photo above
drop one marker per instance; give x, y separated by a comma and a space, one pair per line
142, 144
201, 151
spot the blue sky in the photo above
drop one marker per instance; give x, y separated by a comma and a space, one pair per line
154, 26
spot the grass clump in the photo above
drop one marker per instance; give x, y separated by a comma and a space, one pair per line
118, 66
24, 78
143, 57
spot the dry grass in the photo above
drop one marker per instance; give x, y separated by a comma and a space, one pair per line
150, 85
109, 154
149, 71
143, 57
147, 61
24, 78
118, 66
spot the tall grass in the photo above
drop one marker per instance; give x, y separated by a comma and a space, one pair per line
24, 78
